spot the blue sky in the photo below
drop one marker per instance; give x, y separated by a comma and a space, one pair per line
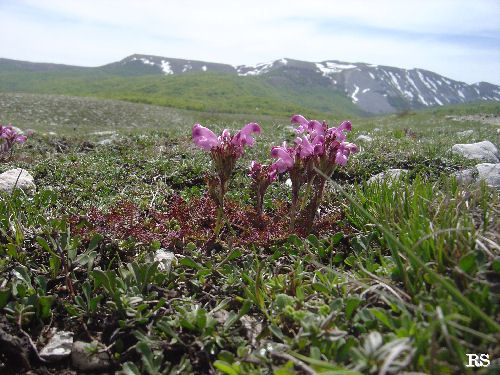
458, 39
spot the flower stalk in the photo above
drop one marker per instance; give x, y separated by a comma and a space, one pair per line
321, 147
225, 150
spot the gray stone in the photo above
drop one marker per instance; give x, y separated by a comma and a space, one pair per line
106, 141
364, 139
389, 176
166, 259
19, 178
58, 347
465, 133
466, 176
84, 358
489, 172
221, 316
484, 151
253, 328
104, 132
17, 130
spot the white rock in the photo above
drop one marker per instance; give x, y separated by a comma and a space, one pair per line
466, 176
253, 328
465, 133
488, 172
21, 176
484, 151
364, 139
104, 132
166, 258
17, 130
105, 141
390, 175
58, 347
84, 359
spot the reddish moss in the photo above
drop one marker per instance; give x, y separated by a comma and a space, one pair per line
194, 221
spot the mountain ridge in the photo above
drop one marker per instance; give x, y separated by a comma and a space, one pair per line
373, 89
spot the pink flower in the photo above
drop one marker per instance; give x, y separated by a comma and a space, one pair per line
262, 176
285, 157
204, 137
338, 133
306, 148
343, 150
258, 171
243, 137
8, 137
310, 126
207, 140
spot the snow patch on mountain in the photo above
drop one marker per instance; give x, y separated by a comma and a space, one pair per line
353, 96
166, 68
253, 70
328, 67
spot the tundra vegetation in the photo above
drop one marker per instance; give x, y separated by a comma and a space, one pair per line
323, 273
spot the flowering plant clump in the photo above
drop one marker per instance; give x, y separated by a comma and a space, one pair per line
225, 150
321, 147
8, 137
262, 176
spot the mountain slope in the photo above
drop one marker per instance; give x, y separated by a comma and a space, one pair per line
327, 86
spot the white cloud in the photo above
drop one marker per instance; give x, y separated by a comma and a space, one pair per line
399, 33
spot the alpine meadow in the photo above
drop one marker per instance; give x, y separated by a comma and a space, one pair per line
168, 216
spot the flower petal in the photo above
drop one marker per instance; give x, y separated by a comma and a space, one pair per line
306, 148
285, 161
318, 144
351, 146
243, 138
304, 124
299, 119
273, 171
343, 152
204, 137
346, 125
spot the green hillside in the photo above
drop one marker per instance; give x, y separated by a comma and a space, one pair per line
201, 91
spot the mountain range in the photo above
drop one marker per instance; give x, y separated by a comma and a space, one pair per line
326, 86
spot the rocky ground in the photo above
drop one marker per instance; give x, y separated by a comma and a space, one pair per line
486, 118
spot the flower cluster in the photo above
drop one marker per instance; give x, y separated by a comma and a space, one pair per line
319, 148
262, 176
225, 151
8, 137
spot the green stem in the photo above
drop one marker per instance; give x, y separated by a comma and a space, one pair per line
306, 194
293, 208
219, 221
230, 227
